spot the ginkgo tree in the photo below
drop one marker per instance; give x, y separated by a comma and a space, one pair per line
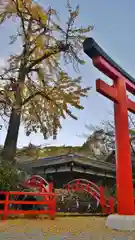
35, 88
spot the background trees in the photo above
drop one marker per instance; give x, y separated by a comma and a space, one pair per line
100, 140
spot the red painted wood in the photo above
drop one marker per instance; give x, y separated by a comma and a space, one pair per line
124, 180
131, 105
94, 190
106, 90
117, 93
112, 73
50, 202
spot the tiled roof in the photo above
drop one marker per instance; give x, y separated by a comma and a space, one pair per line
63, 159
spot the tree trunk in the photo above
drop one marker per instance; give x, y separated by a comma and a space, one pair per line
10, 144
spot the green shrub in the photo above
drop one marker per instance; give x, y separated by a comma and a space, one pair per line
8, 177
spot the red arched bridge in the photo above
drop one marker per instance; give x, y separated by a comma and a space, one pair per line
39, 183
107, 204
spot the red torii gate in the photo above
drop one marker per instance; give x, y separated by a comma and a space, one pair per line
122, 81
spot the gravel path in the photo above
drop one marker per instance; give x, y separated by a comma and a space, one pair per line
68, 228
39, 236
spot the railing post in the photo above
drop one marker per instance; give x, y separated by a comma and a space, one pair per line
5, 214
111, 204
82, 187
77, 185
52, 206
102, 198
50, 187
88, 187
68, 188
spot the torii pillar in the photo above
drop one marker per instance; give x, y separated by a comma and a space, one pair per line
117, 93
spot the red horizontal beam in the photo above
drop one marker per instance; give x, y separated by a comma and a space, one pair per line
106, 90
131, 105
30, 193
46, 211
49, 202
111, 72
28, 212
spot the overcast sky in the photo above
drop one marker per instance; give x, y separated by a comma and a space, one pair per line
114, 30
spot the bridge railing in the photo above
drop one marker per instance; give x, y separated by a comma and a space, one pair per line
79, 181
107, 203
49, 201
